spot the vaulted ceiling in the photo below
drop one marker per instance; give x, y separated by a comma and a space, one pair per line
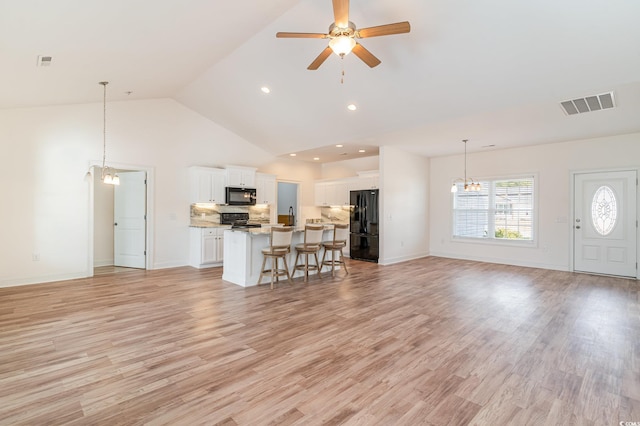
492, 72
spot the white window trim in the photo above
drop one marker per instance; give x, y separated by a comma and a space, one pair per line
533, 243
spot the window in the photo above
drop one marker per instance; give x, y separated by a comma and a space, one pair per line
502, 209
604, 210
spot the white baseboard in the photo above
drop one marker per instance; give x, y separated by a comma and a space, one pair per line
501, 261
102, 262
42, 280
400, 259
167, 265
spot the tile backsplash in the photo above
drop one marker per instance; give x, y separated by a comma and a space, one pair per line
335, 214
210, 214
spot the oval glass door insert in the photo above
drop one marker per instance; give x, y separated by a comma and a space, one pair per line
604, 210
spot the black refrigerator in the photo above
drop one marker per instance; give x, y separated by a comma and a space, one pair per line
364, 225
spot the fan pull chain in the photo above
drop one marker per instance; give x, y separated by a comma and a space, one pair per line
342, 62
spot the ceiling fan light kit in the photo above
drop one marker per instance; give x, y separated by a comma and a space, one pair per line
342, 45
343, 34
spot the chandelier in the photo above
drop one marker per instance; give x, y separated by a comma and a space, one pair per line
469, 184
109, 175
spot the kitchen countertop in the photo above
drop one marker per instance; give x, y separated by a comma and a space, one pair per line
204, 224
266, 230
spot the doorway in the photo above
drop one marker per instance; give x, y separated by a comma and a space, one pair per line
130, 216
288, 203
128, 244
605, 223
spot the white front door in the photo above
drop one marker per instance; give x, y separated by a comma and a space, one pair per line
605, 223
129, 212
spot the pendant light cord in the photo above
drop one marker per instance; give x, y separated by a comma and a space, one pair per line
104, 127
465, 161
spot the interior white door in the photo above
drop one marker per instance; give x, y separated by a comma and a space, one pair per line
605, 223
129, 212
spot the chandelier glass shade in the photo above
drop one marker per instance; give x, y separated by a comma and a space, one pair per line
109, 174
342, 45
469, 183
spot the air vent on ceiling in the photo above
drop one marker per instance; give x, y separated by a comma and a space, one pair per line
589, 103
44, 61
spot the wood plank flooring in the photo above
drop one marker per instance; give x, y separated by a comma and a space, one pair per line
432, 341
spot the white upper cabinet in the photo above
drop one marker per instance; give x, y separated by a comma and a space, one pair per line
333, 193
337, 192
207, 185
243, 177
320, 194
265, 188
367, 180
341, 192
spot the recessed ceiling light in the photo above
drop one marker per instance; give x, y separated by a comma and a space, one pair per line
362, 150
352, 107
292, 155
339, 146
265, 89
316, 158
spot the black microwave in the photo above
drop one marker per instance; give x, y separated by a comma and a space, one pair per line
240, 196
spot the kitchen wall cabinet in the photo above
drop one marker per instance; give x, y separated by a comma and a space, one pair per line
207, 185
243, 177
207, 247
367, 180
265, 188
337, 192
341, 192
320, 194
332, 193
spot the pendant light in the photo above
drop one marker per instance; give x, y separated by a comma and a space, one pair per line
469, 184
109, 175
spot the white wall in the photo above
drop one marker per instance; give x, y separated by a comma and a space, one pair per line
404, 206
553, 165
350, 168
46, 152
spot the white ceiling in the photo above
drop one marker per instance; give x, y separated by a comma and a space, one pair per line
492, 72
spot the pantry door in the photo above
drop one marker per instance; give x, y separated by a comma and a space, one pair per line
605, 223
130, 216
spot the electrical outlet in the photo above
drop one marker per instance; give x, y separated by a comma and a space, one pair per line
35, 257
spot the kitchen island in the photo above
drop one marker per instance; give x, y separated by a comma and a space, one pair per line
243, 253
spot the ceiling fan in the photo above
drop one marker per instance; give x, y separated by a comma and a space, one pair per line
343, 34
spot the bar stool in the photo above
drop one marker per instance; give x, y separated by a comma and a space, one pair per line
310, 246
340, 237
279, 247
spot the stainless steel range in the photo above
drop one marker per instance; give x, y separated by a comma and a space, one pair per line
237, 220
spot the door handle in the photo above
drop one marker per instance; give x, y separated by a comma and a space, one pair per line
115, 224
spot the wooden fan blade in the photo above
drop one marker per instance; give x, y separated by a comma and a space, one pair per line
320, 59
341, 13
301, 35
366, 56
383, 30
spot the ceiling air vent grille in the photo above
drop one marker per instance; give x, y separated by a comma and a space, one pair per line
589, 103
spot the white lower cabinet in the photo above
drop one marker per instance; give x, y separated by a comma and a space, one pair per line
206, 247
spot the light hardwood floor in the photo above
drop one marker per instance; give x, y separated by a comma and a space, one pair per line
431, 341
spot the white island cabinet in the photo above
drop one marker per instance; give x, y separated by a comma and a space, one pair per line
243, 254
206, 246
